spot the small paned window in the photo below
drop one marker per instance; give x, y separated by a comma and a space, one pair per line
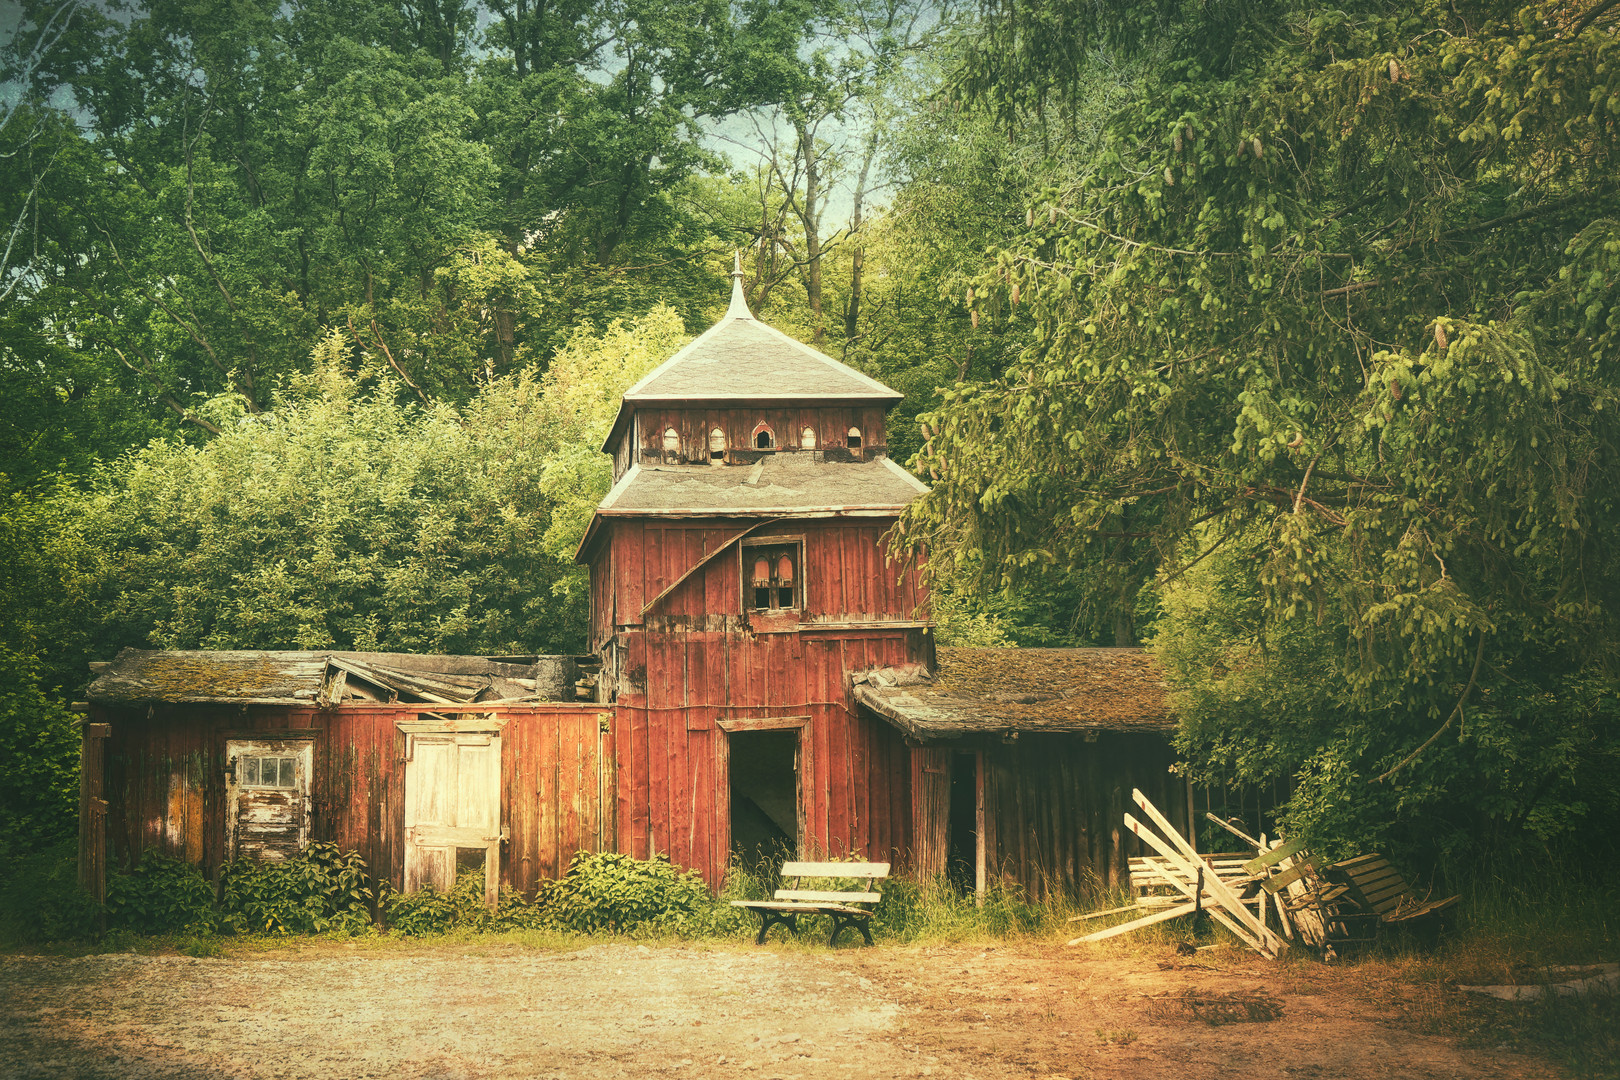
672, 441
763, 439
807, 439
266, 772
717, 445
854, 438
772, 577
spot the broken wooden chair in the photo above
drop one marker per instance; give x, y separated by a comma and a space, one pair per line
838, 903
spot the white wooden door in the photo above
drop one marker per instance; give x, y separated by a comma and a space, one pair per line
452, 801
267, 811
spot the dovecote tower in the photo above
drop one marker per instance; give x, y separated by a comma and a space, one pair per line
738, 574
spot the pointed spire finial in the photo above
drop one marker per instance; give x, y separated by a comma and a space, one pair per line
739, 302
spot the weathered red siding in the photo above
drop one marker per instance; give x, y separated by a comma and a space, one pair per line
695, 658
165, 781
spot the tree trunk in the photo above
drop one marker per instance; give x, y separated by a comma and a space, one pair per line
852, 313
810, 215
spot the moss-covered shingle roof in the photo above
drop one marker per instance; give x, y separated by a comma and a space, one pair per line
978, 690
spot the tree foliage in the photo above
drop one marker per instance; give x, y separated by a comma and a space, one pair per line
344, 518
1330, 292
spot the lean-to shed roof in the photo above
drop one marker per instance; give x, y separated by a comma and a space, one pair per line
257, 677
1023, 690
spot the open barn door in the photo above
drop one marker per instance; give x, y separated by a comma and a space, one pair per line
452, 805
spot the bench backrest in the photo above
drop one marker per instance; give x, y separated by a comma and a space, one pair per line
868, 872
1373, 881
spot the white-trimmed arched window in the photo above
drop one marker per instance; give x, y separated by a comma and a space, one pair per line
717, 445
672, 441
764, 437
854, 438
807, 439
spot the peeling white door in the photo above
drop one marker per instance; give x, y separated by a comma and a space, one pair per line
452, 801
267, 808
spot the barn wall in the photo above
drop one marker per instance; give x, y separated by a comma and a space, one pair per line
848, 574
674, 792
1055, 807
165, 782
695, 659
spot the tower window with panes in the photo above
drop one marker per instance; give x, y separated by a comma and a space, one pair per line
771, 578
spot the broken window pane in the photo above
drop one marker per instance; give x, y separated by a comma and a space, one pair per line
250, 770
287, 773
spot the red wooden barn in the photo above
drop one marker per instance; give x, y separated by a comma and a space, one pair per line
760, 671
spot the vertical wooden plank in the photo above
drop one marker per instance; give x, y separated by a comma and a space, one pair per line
551, 859
658, 776
93, 736
980, 874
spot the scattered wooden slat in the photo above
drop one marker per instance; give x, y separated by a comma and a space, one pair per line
1189, 886
1277, 882
1235, 831
1136, 924
1100, 914
1214, 886
1274, 856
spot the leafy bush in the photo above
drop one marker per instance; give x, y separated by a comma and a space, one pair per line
160, 895
428, 911
323, 889
612, 891
39, 759
40, 899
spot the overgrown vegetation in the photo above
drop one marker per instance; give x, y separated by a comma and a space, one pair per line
1319, 391
323, 890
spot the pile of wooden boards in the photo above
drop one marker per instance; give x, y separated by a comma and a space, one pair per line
1339, 904
1196, 884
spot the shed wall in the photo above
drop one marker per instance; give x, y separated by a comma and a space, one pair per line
165, 782
1055, 807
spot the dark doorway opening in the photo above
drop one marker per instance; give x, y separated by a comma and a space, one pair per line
764, 796
961, 838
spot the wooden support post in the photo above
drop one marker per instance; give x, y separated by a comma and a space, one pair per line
979, 869
93, 809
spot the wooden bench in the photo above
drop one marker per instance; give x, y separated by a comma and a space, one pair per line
838, 903
1378, 887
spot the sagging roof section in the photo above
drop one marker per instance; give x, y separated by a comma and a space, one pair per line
783, 481
980, 690
142, 676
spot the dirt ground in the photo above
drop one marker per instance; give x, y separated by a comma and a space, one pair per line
626, 1010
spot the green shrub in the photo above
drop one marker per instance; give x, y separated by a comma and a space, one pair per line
40, 899
612, 891
160, 895
428, 911
39, 758
322, 890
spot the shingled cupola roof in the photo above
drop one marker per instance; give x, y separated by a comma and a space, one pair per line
741, 359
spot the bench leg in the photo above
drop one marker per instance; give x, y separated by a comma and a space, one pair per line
847, 922
768, 919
